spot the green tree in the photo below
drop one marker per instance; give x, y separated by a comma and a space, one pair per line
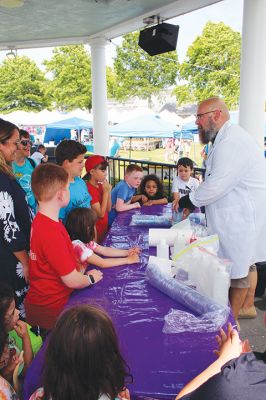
111, 82
70, 78
22, 86
212, 66
139, 74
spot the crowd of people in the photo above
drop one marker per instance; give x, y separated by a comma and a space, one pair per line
52, 223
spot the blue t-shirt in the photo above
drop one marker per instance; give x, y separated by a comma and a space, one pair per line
79, 197
23, 175
121, 191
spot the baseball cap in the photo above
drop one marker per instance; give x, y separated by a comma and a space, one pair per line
93, 161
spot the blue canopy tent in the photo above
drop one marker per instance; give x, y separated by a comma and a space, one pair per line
146, 126
183, 135
59, 130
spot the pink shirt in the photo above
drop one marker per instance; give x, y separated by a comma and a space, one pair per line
82, 252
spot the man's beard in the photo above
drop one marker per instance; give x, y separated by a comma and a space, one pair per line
208, 134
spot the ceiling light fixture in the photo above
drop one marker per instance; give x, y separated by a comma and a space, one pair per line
11, 3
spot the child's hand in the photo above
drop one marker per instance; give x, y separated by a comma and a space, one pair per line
137, 205
13, 361
132, 259
134, 250
106, 186
175, 204
229, 345
97, 275
124, 395
148, 203
21, 329
232, 348
144, 199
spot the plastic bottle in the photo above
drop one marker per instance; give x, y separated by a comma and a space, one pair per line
221, 286
177, 215
163, 249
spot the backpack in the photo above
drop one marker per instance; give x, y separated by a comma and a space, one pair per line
32, 162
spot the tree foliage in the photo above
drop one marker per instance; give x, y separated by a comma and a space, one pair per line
212, 66
70, 81
111, 82
22, 86
139, 74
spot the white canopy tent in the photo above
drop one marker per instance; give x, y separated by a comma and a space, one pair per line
43, 117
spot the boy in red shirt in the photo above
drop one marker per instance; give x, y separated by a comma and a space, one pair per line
53, 274
100, 191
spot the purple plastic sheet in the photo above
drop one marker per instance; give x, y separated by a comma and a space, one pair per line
161, 364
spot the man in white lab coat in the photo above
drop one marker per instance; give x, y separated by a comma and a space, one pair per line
233, 193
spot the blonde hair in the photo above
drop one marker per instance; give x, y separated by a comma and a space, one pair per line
5, 167
6, 132
46, 180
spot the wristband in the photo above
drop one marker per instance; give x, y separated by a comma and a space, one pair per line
91, 279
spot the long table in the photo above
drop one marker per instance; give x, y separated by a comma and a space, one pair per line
161, 364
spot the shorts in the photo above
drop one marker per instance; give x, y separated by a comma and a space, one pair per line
243, 283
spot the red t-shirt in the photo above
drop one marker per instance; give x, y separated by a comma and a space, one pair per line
97, 197
51, 256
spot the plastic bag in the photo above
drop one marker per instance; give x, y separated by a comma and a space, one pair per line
201, 305
198, 225
197, 219
209, 242
151, 220
178, 291
207, 273
184, 233
177, 321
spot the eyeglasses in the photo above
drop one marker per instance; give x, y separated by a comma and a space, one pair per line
198, 116
25, 143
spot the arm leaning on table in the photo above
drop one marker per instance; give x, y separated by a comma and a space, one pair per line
155, 202
76, 280
121, 205
120, 257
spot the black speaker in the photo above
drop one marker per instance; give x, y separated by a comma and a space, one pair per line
159, 38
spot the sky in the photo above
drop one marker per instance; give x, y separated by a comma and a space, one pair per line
190, 26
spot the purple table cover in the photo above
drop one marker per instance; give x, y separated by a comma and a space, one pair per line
161, 364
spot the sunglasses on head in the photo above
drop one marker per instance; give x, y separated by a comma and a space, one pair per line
25, 142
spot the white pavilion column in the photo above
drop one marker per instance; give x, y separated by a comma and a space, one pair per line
253, 69
99, 96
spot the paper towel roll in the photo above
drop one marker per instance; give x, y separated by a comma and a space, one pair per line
155, 235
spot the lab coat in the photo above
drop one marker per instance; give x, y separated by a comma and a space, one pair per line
234, 194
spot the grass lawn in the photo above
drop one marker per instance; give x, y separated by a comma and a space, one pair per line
158, 154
